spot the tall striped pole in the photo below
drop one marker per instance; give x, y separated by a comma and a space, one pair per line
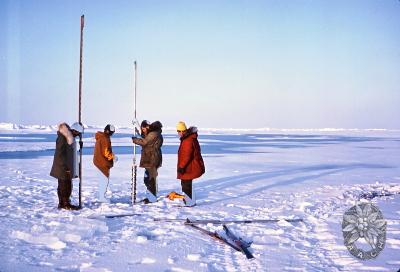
134, 166
80, 112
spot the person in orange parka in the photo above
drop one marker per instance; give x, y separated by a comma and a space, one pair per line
190, 162
104, 159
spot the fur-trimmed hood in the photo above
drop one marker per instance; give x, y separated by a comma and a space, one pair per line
156, 126
100, 134
64, 130
192, 131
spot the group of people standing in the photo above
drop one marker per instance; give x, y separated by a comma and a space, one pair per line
190, 163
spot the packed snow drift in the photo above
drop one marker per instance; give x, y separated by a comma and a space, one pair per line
313, 175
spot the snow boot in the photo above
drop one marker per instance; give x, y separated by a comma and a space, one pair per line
189, 201
69, 206
66, 205
145, 201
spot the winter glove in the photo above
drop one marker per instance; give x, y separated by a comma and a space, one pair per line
135, 123
137, 131
181, 170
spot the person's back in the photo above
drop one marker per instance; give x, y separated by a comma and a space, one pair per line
155, 130
103, 159
63, 156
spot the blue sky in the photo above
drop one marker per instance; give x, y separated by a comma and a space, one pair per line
282, 64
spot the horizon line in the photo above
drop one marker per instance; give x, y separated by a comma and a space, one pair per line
14, 126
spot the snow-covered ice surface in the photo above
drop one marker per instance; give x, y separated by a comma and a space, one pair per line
313, 175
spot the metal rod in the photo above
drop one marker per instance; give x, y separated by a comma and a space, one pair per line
80, 111
134, 166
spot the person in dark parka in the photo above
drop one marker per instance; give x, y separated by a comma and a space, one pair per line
151, 156
65, 160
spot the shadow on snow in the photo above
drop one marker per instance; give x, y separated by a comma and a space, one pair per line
307, 173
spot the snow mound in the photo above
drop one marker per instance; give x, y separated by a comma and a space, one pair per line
47, 240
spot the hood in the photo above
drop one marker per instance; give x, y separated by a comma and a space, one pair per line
63, 129
156, 126
190, 132
99, 135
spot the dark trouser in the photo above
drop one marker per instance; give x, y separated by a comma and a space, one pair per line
64, 191
187, 187
150, 180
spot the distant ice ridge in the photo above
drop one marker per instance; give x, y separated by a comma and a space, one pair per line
17, 127
11, 126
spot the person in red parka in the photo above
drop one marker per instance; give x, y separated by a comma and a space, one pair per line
190, 162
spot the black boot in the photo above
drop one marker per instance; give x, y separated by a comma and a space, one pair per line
145, 201
69, 206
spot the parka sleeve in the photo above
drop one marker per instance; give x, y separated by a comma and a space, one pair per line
146, 140
108, 154
185, 153
106, 150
